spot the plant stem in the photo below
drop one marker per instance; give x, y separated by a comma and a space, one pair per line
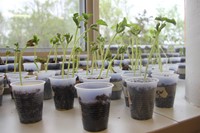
108, 48
15, 61
20, 65
46, 66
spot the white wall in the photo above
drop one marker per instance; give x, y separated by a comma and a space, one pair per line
192, 19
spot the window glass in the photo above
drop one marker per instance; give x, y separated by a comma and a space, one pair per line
21, 19
143, 13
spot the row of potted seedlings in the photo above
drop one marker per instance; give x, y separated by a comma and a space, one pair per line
96, 85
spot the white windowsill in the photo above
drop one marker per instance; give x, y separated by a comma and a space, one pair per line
119, 121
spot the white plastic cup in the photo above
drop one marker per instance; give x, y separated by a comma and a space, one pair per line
166, 89
94, 98
29, 100
142, 96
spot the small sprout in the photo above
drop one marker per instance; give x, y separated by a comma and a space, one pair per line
41, 60
33, 42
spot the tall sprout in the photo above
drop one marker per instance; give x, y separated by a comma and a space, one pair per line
155, 48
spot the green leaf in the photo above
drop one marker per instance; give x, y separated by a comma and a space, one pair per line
101, 22
86, 16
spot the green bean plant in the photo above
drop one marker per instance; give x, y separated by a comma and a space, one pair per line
30, 43
16, 56
54, 42
78, 19
120, 27
121, 50
155, 48
34, 42
135, 56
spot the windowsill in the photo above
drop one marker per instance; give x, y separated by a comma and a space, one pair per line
119, 119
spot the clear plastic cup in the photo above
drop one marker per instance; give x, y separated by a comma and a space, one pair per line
94, 98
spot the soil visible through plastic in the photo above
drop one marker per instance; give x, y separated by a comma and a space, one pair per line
95, 115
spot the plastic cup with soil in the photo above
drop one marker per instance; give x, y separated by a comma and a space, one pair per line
29, 100
166, 89
1, 88
127, 75
31, 67
15, 77
64, 91
94, 99
116, 79
142, 97
44, 75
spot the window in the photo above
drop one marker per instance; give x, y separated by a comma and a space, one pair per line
143, 12
21, 19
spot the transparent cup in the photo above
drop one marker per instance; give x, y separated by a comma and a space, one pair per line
142, 97
94, 98
166, 89
64, 91
29, 100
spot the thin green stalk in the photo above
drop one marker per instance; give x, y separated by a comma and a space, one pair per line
93, 62
110, 64
122, 57
6, 60
15, 62
88, 54
159, 60
56, 54
77, 63
34, 52
20, 65
108, 48
132, 54
150, 56
72, 52
46, 66
63, 61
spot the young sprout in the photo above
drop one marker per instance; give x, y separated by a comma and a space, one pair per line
34, 43
120, 51
64, 41
155, 48
135, 30
16, 55
120, 27
31, 43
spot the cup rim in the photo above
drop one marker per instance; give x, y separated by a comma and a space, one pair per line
17, 83
106, 86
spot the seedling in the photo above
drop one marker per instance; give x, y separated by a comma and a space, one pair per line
155, 48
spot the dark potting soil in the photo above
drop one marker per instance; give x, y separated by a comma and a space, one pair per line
47, 90
142, 102
63, 97
165, 95
95, 115
29, 106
